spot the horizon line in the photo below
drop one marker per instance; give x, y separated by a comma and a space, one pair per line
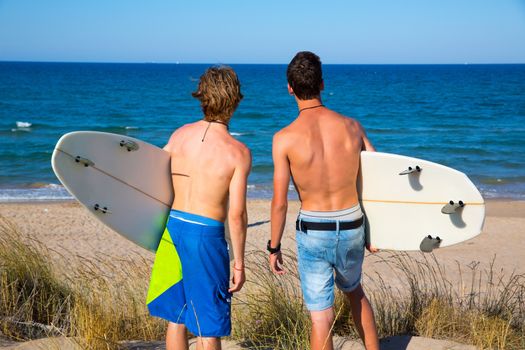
258, 63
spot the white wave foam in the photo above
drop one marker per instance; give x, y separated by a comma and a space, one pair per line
54, 186
131, 127
21, 130
49, 192
23, 125
239, 133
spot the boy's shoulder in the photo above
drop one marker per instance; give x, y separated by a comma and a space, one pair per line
288, 129
350, 121
178, 135
186, 127
183, 130
283, 133
286, 137
242, 151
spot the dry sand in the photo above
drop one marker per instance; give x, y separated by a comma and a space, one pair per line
73, 235
68, 229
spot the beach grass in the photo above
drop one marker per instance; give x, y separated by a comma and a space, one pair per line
34, 302
100, 303
93, 308
486, 309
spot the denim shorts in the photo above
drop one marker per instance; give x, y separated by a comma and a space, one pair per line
323, 254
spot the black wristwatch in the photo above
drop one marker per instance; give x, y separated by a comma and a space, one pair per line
273, 250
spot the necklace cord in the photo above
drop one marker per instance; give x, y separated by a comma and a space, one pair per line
312, 107
209, 124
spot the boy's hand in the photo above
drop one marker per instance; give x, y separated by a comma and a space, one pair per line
371, 248
276, 263
238, 279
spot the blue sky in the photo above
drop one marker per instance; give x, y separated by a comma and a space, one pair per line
270, 31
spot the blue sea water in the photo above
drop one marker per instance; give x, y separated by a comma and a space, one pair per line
469, 117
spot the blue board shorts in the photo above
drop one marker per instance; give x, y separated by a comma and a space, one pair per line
321, 254
190, 276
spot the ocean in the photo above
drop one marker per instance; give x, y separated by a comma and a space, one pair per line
469, 117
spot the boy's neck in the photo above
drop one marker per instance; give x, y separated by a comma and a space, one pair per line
302, 104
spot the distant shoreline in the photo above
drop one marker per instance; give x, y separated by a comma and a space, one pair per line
54, 193
272, 64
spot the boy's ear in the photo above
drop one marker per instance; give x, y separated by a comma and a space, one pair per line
290, 90
321, 87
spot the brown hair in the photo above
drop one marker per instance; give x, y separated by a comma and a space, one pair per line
305, 75
219, 91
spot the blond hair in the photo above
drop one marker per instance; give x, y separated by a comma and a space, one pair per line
219, 91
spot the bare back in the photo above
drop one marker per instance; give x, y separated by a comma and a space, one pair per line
202, 170
323, 149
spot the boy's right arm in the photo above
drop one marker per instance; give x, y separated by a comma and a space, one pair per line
281, 181
238, 218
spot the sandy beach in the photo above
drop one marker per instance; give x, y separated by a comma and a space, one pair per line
70, 230
73, 236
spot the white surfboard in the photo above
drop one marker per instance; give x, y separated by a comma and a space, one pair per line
122, 181
414, 204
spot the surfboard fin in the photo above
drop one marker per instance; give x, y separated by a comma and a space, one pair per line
429, 243
84, 161
103, 210
129, 145
451, 207
410, 170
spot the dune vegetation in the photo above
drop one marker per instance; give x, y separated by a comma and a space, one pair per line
486, 309
100, 310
